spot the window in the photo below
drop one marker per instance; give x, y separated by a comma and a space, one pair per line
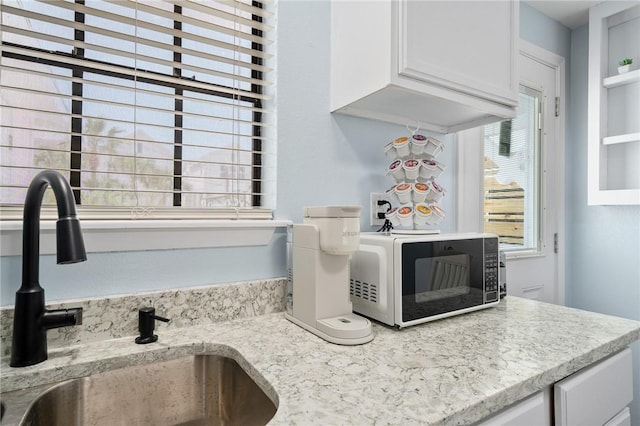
512, 176
160, 108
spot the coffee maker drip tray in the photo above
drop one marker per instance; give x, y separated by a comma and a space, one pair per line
348, 329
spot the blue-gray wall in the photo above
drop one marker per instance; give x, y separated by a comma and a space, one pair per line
130, 272
603, 242
327, 159
542, 31
603, 262
322, 159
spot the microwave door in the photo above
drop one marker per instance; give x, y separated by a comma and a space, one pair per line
449, 278
451, 272
439, 279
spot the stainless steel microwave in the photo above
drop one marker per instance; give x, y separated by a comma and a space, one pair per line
403, 280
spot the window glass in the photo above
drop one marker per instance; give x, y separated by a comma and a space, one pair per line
512, 176
147, 104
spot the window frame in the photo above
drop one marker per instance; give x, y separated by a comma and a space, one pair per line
536, 246
143, 235
177, 213
469, 198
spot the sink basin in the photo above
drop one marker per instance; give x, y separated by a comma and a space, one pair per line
194, 390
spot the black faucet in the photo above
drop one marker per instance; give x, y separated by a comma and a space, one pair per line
31, 320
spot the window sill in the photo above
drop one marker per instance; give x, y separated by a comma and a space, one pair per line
523, 254
141, 235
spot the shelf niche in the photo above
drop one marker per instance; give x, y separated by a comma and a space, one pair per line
613, 105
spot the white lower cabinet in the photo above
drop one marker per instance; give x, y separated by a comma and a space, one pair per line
597, 395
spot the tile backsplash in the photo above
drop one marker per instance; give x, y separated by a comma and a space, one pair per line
107, 318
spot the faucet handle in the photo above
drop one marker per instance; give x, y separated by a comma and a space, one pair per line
146, 324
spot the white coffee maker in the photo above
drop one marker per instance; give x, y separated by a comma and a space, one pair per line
322, 247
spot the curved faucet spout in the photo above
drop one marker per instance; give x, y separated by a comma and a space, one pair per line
70, 245
31, 320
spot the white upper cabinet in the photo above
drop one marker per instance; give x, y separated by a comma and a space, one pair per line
444, 65
614, 104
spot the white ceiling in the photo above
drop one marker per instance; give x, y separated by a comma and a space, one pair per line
570, 13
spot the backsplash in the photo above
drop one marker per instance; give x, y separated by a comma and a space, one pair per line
114, 317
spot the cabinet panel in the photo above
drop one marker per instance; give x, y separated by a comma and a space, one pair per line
596, 394
419, 62
535, 410
460, 46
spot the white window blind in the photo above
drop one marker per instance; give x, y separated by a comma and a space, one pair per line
161, 108
513, 176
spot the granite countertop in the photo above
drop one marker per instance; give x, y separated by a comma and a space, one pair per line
453, 371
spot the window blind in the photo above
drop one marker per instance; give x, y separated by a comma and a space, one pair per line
512, 176
159, 107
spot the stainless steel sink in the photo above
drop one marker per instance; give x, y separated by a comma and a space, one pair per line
195, 390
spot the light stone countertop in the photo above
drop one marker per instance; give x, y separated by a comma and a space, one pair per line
453, 371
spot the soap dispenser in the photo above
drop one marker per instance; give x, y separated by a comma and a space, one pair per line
146, 324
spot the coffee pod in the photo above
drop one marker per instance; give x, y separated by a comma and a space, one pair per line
395, 169
402, 146
437, 214
403, 192
433, 147
436, 192
405, 214
430, 169
390, 151
430, 192
420, 190
418, 143
392, 216
422, 214
411, 169
390, 195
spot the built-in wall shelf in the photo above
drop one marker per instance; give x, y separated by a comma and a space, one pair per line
627, 138
613, 105
621, 79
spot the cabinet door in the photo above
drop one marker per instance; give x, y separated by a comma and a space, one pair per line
535, 410
469, 46
596, 394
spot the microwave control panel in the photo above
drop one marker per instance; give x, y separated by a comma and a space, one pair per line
491, 264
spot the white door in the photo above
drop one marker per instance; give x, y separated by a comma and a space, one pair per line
513, 185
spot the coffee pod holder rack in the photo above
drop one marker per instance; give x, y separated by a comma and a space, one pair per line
416, 194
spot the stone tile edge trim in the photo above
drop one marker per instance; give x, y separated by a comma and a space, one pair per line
113, 317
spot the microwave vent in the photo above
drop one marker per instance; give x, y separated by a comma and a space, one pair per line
364, 290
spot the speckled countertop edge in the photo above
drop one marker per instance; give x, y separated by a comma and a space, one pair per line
453, 371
